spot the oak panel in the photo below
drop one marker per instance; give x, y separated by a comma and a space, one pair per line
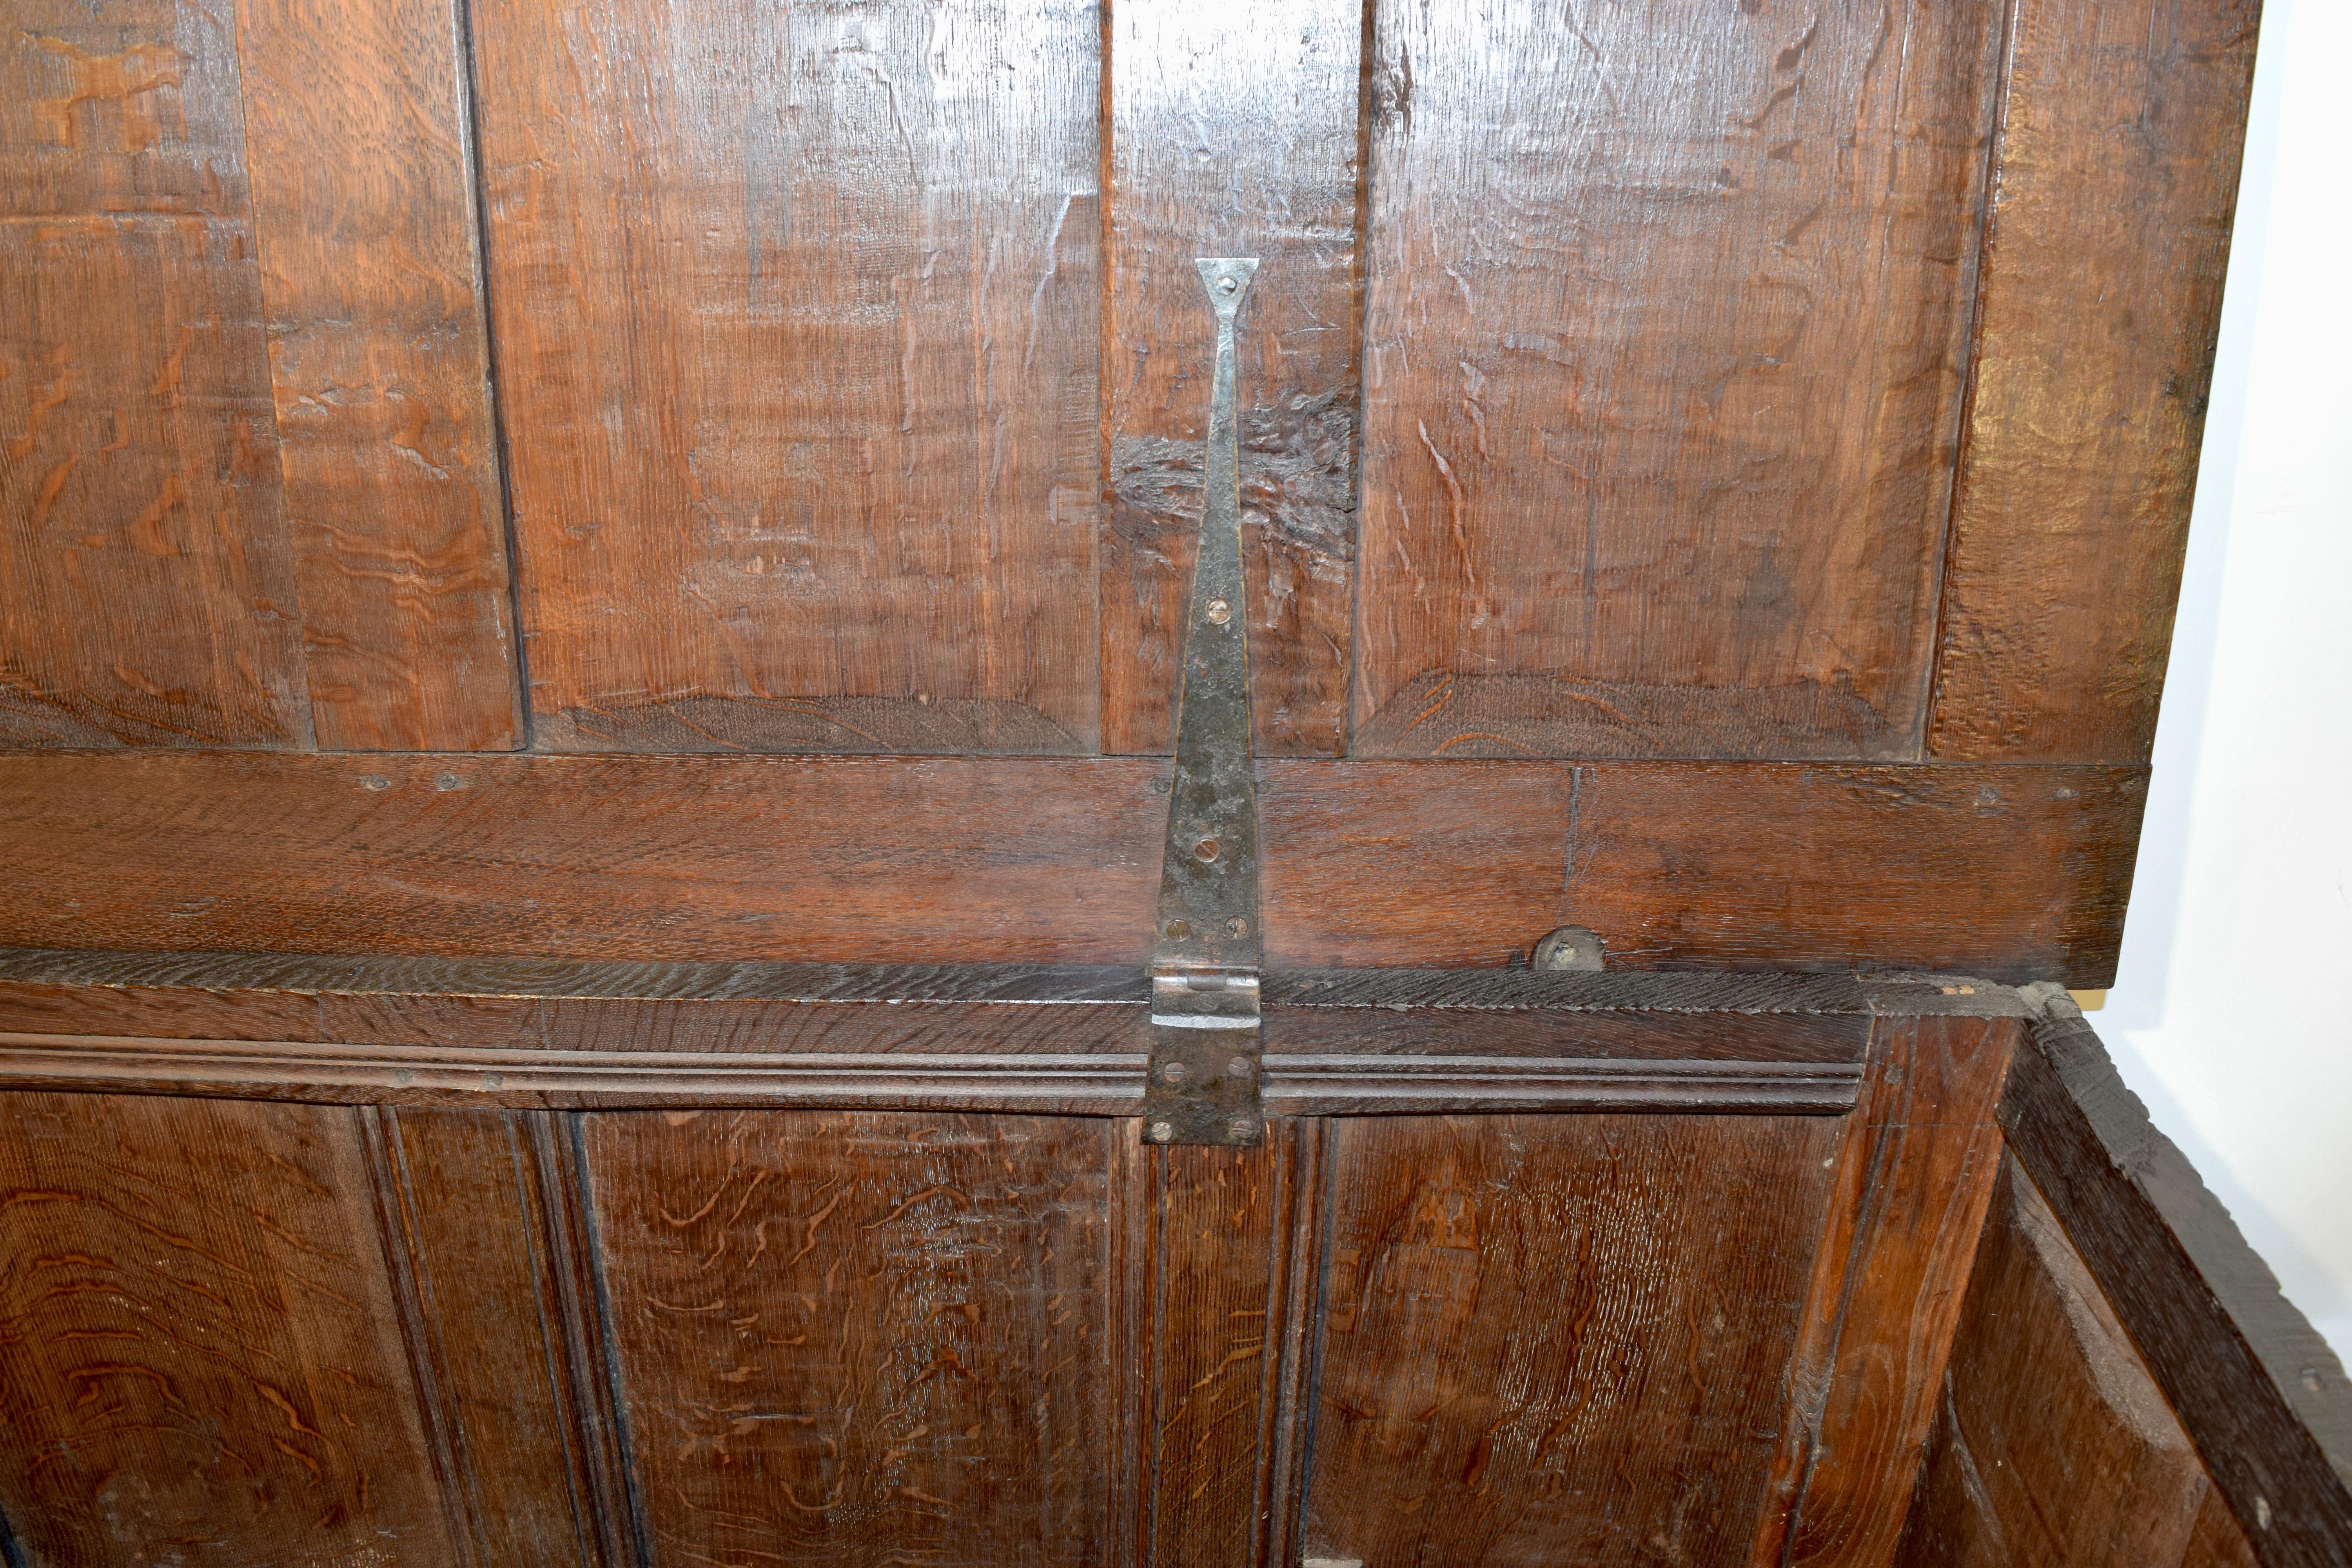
2102, 296
357, 130
481, 1247
2052, 1442
876, 860
1914, 1175
151, 596
847, 1337
201, 1360
1553, 1340
797, 315
121, 106
1664, 359
1233, 130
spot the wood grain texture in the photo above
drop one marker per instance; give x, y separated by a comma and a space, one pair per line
151, 594
1556, 1340
797, 313
2102, 295
860, 1338
357, 133
1233, 130
200, 1357
2051, 1441
1913, 1179
476, 1232
1211, 1331
2260, 1392
120, 107
1664, 359
877, 860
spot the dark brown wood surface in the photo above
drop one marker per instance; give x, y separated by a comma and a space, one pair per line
1913, 1175
2102, 294
356, 125
201, 1359
2259, 1392
1208, 1330
1231, 130
797, 323
1556, 1340
1664, 359
855, 1337
2009, 873
2052, 1442
524, 1435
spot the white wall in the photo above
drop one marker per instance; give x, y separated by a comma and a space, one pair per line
2230, 1015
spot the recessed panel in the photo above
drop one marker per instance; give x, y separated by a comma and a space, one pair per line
856, 1337
1556, 1340
1664, 359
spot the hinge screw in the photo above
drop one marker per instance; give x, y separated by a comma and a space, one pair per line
1239, 1067
1172, 1073
1220, 611
1241, 1126
1162, 1131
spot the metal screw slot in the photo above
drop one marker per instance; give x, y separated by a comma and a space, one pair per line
1220, 611
1162, 1131
1179, 930
1207, 848
1239, 1067
1241, 1126
1172, 1073
1237, 926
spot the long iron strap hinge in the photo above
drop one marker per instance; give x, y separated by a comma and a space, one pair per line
1202, 1086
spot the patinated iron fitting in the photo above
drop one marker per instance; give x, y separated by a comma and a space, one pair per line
1203, 1082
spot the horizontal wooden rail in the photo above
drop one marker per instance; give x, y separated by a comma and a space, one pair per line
2011, 871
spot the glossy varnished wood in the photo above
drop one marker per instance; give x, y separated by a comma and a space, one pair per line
2102, 294
1231, 130
1911, 1182
358, 131
2052, 1442
1749, 866
851, 1336
796, 314
1556, 1340
202, 1356
1662, 370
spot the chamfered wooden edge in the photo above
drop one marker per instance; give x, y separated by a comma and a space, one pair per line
2258, 1391
1068, 1039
